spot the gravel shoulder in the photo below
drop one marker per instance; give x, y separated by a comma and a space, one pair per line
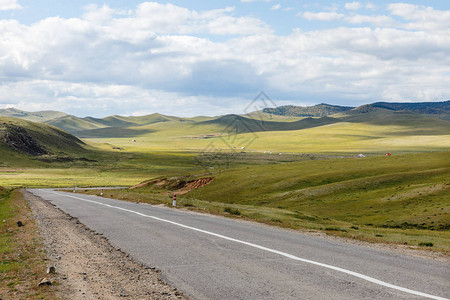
87, 266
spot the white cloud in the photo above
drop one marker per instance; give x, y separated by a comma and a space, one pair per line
322, 16
9, 5
380, 20
421, 17
99, 99
353, 5
96, 14
401, 15
160, 58
276, 7
371, 6
171, 19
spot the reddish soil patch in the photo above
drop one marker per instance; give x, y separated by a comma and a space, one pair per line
178, 185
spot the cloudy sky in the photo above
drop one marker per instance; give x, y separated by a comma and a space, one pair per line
213, 57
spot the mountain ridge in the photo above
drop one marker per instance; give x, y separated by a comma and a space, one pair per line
319, 110
288, 117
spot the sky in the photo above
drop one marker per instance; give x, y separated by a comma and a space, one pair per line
188, 58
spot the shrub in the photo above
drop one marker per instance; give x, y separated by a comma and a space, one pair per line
426, 244
335, 229
232, 211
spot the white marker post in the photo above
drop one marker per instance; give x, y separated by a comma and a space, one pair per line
174, 202
101, 193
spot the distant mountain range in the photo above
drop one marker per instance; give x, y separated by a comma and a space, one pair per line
323, 109
281, 118
38, 116
319, 110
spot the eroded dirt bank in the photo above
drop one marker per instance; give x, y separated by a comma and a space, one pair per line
87, 266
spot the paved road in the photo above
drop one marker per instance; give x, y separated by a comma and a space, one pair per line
209, 257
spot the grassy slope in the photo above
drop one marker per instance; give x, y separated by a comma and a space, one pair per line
52, 138
371, 190
318, 110
262, 116
241, 124
104, 167
73, 124
374, 133
90, 126
171, 146
333, 194
400, 199
380, 130
22, 255
39, 116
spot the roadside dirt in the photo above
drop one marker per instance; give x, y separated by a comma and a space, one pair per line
178, 185
87, 266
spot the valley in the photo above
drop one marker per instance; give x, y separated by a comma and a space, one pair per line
281, 167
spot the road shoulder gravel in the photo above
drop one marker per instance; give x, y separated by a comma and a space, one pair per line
87, 266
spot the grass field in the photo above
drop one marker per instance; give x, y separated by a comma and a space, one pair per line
22, 260
399, 199
378, 135
108, 169
317, 183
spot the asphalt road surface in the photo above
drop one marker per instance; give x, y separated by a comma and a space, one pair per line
209, 257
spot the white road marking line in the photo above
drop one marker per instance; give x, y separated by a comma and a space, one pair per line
359, 275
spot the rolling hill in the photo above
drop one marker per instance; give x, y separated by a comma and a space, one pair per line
241, 124
427, 118
323, 109
38, 116
22, 141
73, 124
98, 127
319, 110
418, 108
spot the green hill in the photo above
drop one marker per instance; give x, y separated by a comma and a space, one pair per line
113, 132
38, 116
427, 118
98, 127
418, 108
22, 140
323, 109
74, 124
112, 121
241, 124
319, 110
148, 119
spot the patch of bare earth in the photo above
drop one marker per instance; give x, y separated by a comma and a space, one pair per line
87, 266
178, 185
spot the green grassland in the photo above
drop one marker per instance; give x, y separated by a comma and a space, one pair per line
22, 257
69, 161
316, 183
398, 199
354, 134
